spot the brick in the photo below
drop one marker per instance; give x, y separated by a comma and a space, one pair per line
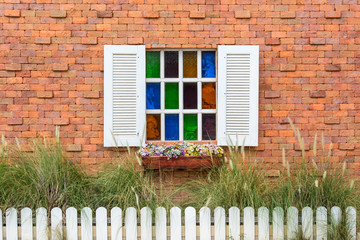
73, 148
297, 147
272, 41
12, 13
332, 14
45, 94
242, 14
272, 94
105, 14
58, 14
317, 41
284, 120
89, 41
197, 14
272, 173
60, 67
332, 120
151, 14
43, 40
13, 67
287, 15
333, 68
287, 67
318, 94
346, 146
91, 94
61, 121
38, 60
14, 121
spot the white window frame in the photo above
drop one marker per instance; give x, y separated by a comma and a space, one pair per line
199, 80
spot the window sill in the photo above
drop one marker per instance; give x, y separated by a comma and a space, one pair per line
173, 142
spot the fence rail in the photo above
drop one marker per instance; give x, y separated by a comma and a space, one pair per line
175, 224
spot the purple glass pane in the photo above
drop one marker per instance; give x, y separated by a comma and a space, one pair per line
209, 127
171, 64
190, 96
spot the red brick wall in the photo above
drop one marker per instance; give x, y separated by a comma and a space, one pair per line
51, 65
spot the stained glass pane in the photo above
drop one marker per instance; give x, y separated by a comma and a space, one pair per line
171, 126
171, 64
209, 95
152, 95
153, 127
190, 126
190, 95
171, 95
190, 64
208, 127
208, 64
153, 64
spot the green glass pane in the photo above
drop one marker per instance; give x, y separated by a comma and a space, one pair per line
171, 96
190, 127
153, 64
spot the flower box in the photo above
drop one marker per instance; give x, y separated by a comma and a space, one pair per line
182, 162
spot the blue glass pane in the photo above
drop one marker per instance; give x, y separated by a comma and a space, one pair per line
208, 64
153, 95
171, 126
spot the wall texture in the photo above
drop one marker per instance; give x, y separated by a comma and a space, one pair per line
51, 65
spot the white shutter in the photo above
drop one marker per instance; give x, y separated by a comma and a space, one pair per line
238, 91
124, 95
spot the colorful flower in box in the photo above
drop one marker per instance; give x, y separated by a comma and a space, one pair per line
180, 149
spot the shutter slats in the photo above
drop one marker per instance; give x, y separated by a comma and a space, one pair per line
124, 68
238, 93
237, 64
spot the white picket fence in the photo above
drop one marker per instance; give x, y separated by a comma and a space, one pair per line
235, 225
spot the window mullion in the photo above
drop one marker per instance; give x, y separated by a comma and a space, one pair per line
162, 95
199, 100
181, 100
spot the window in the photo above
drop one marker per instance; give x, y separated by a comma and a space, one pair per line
175, 95
180, 95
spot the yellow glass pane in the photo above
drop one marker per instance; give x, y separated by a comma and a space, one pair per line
190, 64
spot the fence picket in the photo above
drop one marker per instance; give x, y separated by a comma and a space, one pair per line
234, 223
321, 223
101, 223
263, 216
71, 224
86, 224
160, 223
205, 224
116, 223
351, 222
307, 222
190, 223
41, 224
278, 223
292, 223
131, 224
249, 223
11, 224
175, 223
56, 224
146, 223
26, 224
335, 215
219, 223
